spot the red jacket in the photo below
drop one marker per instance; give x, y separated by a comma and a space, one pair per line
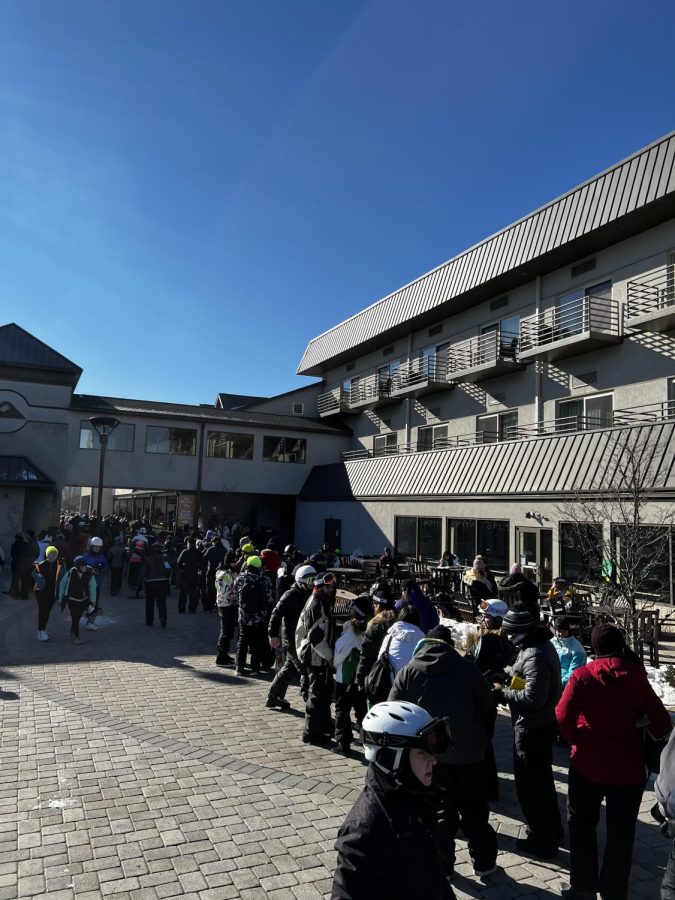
597, 714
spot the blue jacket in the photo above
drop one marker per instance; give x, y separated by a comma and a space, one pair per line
94, 560
571, 654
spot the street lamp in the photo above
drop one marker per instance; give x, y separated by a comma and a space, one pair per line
104, 427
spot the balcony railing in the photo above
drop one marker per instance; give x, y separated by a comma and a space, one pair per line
650, 300
333, 402
369, 391
484, 356
578, 326
560, 425
422, 375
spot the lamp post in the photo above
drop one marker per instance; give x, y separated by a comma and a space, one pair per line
104, 427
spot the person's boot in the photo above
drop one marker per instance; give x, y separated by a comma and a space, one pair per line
277, 703
224, 659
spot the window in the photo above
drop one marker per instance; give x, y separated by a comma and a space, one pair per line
585, 412
432, 437
173, 441
580, 551
497, 427
298, 409
405, 536
121, 438
433, 361
384, 444
670, 403
489, 537
418, 537
508, 330
229, 445
386, 373
284, 449
570, 311
581, 268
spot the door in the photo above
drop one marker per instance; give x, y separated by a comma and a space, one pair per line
332, 533
535, 554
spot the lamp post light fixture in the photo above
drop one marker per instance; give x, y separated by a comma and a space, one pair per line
104, 427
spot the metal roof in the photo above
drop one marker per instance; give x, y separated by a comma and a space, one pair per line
120, 406
593, 207
558, 465
20, 471
19, 348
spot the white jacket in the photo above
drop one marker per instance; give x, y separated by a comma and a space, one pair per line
400, 642
347, 642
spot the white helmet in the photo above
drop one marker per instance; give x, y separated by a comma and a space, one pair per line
390, 728
96, 542
304, 577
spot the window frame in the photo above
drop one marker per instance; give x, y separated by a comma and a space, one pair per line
170, 429
501, 427
228, 435
110, 446
281, 441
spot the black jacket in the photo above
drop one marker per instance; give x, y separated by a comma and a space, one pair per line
446, 684
213, 558
372, 641
286, 614
539, 666
518, 587
189, 563
386, 847
494, 654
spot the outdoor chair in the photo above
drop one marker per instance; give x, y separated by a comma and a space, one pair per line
649, 632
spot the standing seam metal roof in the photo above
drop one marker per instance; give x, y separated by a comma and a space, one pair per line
636, 181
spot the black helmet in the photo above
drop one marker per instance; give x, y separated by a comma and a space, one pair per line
290, 548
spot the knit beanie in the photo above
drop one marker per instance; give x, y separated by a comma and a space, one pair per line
441, 633
607, 640
515, 569
517, 621
562, 623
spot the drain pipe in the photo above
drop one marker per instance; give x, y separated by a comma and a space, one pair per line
538, 409
408, 401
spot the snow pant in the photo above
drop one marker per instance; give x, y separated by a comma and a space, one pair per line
490, 773
25, 581
45, 601
284, 676
583, 811
76, 608
209, 600
228, 624
155, 593
317, 710
132, 574
251, 638
535, 787
348, 697
115, 581
461, 804
668, 883
188, 592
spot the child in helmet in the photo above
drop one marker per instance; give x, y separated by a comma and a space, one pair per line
386, 845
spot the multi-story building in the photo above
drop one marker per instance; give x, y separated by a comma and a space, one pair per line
484, 394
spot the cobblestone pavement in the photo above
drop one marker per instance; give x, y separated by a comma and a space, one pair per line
131, 766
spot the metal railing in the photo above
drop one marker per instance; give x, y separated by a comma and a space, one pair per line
654, 291
372, 387
559, 425
574, 319
483, 350
420, 371
332, 401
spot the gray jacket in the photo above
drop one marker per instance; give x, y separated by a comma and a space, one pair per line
664, 786
539, 666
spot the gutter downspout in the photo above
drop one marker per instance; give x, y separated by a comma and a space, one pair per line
200, 463
408, 402
538, 415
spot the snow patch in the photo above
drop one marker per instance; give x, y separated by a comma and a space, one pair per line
64, 803
657, 679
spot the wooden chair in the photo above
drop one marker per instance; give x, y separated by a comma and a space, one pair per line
649, 632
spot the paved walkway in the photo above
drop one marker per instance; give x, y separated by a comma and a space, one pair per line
131, 766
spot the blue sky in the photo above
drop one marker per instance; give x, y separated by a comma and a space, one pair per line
190, 191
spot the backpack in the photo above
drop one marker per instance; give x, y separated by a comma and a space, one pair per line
381, 677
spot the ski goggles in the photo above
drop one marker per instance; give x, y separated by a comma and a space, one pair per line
434, 738
325, 579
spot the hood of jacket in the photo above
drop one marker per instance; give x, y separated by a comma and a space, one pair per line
612, 671
405, 633
435, 657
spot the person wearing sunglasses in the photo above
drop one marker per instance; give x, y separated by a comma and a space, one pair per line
386, 846
314, 641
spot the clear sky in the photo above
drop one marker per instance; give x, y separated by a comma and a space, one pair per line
192, 189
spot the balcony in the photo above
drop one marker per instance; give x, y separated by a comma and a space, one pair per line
650, 301
486, 356
589, 323
425, 375
332, 403
370, 392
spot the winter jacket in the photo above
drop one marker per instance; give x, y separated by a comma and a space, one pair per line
399, 644
664, 786
213, 558
252, 598
52, 574
372, 641
538, 665
493, 654
116, 556
98, 564
518, 587
425, 607
446, 684
571, 655
226, 595
89, 586
347, 654
286, 614
190, 561
478, 590
314, 634
386, 846
153, 568
598, 713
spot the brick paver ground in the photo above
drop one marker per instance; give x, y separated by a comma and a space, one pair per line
131, 766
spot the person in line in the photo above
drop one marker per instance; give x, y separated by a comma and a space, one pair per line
348, 697
403, 636
78, 590
226, 601
190, 562
480, 582
281, 630
116, 562
570, 651
292, 560
49, 573
314, 640
516, 587
446, 684
97, 562
384, 617
532, 695
598, 714
153, 576
252, 601
136, 554
214, 556
386, 846
412, 593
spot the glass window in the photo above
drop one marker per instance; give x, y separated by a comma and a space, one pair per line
586, 412
384, 444
122, 437
462, 539
172, 441
284, 449
497, 427
433, 437
405, 536
580, 551
229, 445
492, 542
670, 407
429, 538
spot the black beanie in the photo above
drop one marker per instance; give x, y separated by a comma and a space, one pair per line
607, 640
517, 621
441, 633
562, 623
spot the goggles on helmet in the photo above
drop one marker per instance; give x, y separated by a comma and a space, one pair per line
435, 738
307, 580
324, 580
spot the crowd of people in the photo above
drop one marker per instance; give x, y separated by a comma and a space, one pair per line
424, 710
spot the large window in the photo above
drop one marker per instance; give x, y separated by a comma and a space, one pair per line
121, 438
508, 330
432, 437
229, 445
580, 551
172, 441
581, 413
487, 537
284, 449
570, 312
497, 426
384, 444
418, 537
